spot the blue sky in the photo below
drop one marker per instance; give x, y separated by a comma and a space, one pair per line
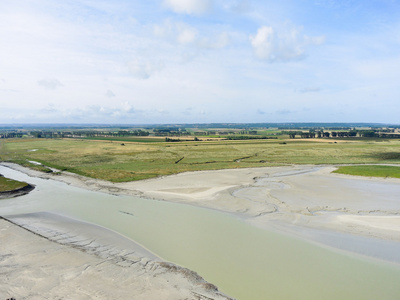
199, 61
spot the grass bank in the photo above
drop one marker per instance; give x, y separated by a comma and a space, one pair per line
370, 171
8, 185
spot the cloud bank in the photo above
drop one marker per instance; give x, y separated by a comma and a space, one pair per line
236, 60
288, 45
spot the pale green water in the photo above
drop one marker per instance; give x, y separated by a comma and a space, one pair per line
243, 261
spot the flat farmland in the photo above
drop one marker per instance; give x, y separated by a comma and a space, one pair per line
119, 161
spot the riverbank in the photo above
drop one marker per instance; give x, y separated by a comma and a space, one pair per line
17, 192
47, 256
12, 188
286, 198
298, 200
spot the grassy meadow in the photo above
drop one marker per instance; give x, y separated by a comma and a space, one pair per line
7, 184
370, 170
119, 161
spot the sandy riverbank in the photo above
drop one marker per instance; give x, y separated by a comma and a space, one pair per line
307, 201
47, 256
306, 196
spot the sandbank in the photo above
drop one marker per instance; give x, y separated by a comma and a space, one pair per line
301, 195
47, 256
305, 196
350, 213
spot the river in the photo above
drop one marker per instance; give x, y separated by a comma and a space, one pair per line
245, 262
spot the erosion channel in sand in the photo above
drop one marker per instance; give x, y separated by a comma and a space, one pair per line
290, 232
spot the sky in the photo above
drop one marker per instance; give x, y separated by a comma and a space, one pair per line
199, 61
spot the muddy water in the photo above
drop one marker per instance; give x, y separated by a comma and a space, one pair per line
243, 261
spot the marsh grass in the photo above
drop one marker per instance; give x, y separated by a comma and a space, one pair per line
370, 171
109, 160
7, 185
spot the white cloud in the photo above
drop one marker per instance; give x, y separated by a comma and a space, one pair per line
186, 36
176, 31
189, 6
110, 94
286, 45
142, 69
50, 83
93, 50
126, 107
239, 6
264, 43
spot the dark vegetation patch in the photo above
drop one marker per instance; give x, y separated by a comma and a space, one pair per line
386, 155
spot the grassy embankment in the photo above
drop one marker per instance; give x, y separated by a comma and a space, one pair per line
110, 160
7, 185
370, 170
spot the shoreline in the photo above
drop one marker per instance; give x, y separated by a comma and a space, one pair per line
266, 195
293, 200
50, 256
17, 192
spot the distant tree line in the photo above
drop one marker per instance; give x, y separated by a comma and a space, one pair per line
167, 139
89, 134
342, 134
280, 126
72, 134
11, 135
170, 132
248, 137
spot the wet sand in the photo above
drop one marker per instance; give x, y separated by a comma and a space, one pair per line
295, 196
47, 256
303, 196
307, 201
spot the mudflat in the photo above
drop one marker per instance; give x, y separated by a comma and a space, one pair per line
299, 196
307, 201
288, 197
46, 256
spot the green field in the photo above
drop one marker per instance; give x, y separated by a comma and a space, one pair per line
110, 160
7, 184
127, 139
372, 171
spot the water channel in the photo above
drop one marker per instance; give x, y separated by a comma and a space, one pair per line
245, 262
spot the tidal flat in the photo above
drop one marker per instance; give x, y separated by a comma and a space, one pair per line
264, 233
